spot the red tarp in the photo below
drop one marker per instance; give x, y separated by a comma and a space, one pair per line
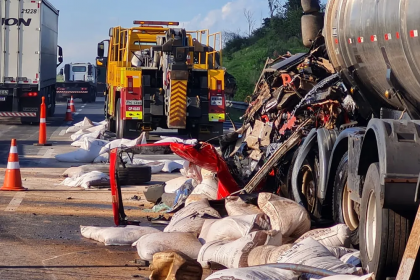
205, 156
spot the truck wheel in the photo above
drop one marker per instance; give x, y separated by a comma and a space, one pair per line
121, 127
383, 233
51, 110
308, 181
343, 207
134, 174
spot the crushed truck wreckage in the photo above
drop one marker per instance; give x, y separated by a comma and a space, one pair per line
299, 106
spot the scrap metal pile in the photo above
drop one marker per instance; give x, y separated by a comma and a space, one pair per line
294, 94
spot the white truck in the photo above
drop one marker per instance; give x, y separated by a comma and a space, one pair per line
80, 81
28, 58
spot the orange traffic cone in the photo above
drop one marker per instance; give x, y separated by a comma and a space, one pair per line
69, 115
42, 140
73, 109
12, 178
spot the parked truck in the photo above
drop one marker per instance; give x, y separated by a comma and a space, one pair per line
368, 173
164, 77
80, 81
28, 62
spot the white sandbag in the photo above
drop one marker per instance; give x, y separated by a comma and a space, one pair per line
208, 187
98, 128
103, 158
116, 235
190, 170
277, 252
93, 178
87, 152
260, 255
232, 228
232, 254
156, 166
73, 172
171, 165
75, 136
352, 258
194, 198
86, 122
286, 216
184, 242
176, 140
254, 273
236, 206
172, 185
118, 143
338, 252
81, 139
192, 217
312, 253
369, 276
266, 254
338, 235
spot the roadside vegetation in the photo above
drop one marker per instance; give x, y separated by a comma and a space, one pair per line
245, 53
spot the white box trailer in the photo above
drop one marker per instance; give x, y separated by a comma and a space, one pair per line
28, 58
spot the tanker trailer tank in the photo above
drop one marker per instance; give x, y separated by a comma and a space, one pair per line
377, 45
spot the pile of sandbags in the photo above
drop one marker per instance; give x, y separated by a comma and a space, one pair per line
275, 230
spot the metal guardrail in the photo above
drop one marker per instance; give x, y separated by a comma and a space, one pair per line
236, 105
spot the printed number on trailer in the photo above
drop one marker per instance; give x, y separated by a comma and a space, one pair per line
29, 11
216, 101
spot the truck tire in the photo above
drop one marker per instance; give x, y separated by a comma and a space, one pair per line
343, 206
383, 233
51, 110
134, 174
121, 127
311, 25
310, 6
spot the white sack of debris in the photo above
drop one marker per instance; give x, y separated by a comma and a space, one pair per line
237, 206
119, 143
312, 253
117, 236
232, 228
338, 235
173, 185
172, 165
85, 124
87, 180
286, 216
80, 139
369, 276
184, 242
254, 273
352, 258
166, 139
207, 187
190, 170
266, 254
192, 217
87, 152
338, 251
232, 254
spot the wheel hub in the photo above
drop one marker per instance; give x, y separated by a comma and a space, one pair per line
309, 187
370, 233
350, 216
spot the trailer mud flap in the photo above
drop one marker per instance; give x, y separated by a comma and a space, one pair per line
177, 115
205, 156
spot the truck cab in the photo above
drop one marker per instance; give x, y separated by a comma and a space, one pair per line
164, 77
79, 81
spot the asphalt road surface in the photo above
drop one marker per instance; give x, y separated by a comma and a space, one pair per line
40, 228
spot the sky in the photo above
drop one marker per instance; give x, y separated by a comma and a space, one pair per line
84, 23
